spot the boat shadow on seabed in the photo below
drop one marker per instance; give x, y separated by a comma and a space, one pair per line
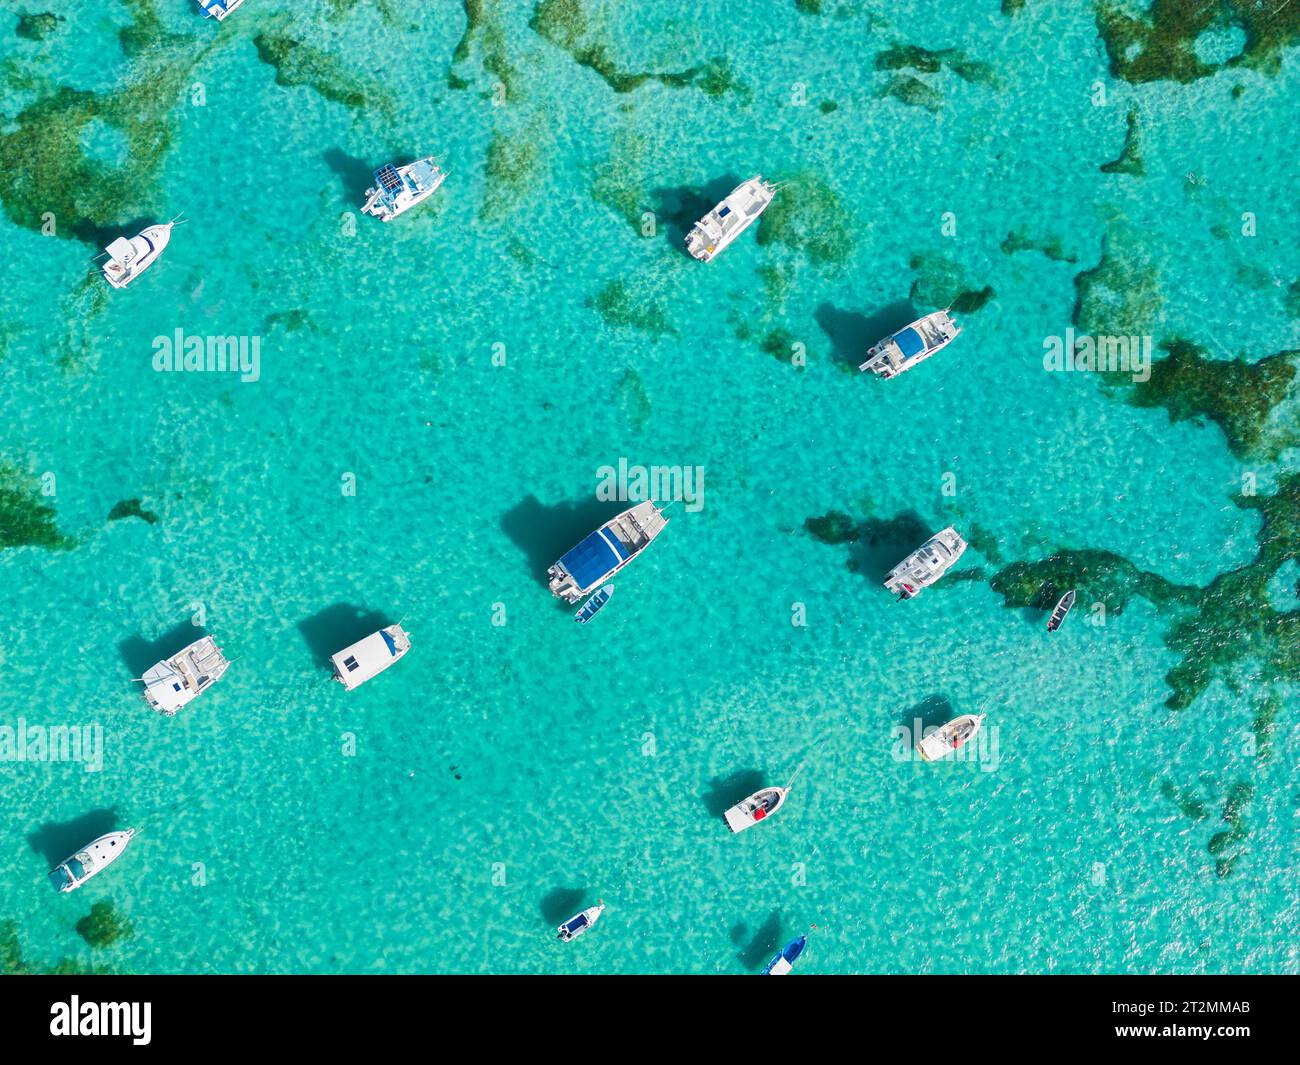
765, 942
561, 903
140, 654
725, 792
851, 334
680, 207
55, 840
544, 533
339, 626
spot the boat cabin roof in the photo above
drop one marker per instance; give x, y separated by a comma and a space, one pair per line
594, 558
121, 249
909, 342
366, 658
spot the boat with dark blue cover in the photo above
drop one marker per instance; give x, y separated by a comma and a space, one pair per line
580, 922
784, 962
606, 551
912, 344
589, 609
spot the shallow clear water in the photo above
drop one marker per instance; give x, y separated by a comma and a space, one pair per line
505, 775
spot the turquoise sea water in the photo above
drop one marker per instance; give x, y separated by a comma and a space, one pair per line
505, 775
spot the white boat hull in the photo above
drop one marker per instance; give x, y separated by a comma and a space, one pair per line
718, 230
176, 682
91, 860
950, 737
755, 808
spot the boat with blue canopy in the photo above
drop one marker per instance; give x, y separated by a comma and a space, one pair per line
606, 551
912, 344
218, 9
784, 961
580, 922
592, 606
399, 188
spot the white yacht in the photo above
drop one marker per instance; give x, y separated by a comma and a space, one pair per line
93, 858
129, 258
926, 564
367, 658
580, 922
730, 218
606, 551
759, 806
178, 680
944, 740
399, 188
914, 343
218, 9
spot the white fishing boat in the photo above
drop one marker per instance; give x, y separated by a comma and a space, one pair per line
784, 961
757, 807
399, 188
740, 210
176, 681
218, 9
580, 922
128, 258
592, 606
1062, 608
912, 344
357, 663
606, 551
947, 738
926, 564
91, 860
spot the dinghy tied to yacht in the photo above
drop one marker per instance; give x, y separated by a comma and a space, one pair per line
592, 606
1060, 610
368, 657
399, 188
174, 682
606, 551
91, 860
912, 344
128, 258
218, 9
926, 564
740, 210
947, 738
579, 923
784, 961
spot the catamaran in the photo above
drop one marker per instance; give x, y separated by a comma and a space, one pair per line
926, 564
176, 681
758, 807
399, 188
580, 922
784, 961
912, 344
947, 738
93, 858
357, 663
128, 258
1062, 608
592, 606
740, 210
218, 9
606, 551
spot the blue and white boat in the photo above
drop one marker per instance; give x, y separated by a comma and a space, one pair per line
740, 210
399, 188
591, 607
580, 922
784, 962
605, 552
914, 343
128, 258
218, 9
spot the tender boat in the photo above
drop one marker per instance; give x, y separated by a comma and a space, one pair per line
129, 258
1062, 608
176, 681
580, 922
926, 564
759, 806
399, 188
912, 344
356, 664
784, 962
592, 606
93, 858
606, 551
218, 9
947, 738
730, 218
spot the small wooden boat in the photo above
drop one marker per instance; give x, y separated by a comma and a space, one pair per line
589, 609
784, 961
1062, 608
944, 740
757, 807
580, 922
92, 859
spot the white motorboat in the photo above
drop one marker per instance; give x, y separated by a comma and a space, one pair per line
128, 258
357, 663
740, 210
757, 807
91, 860
947, 738
580, 922
399, 188
926, 564
606, 551
912, 344
218, 9
176, 681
